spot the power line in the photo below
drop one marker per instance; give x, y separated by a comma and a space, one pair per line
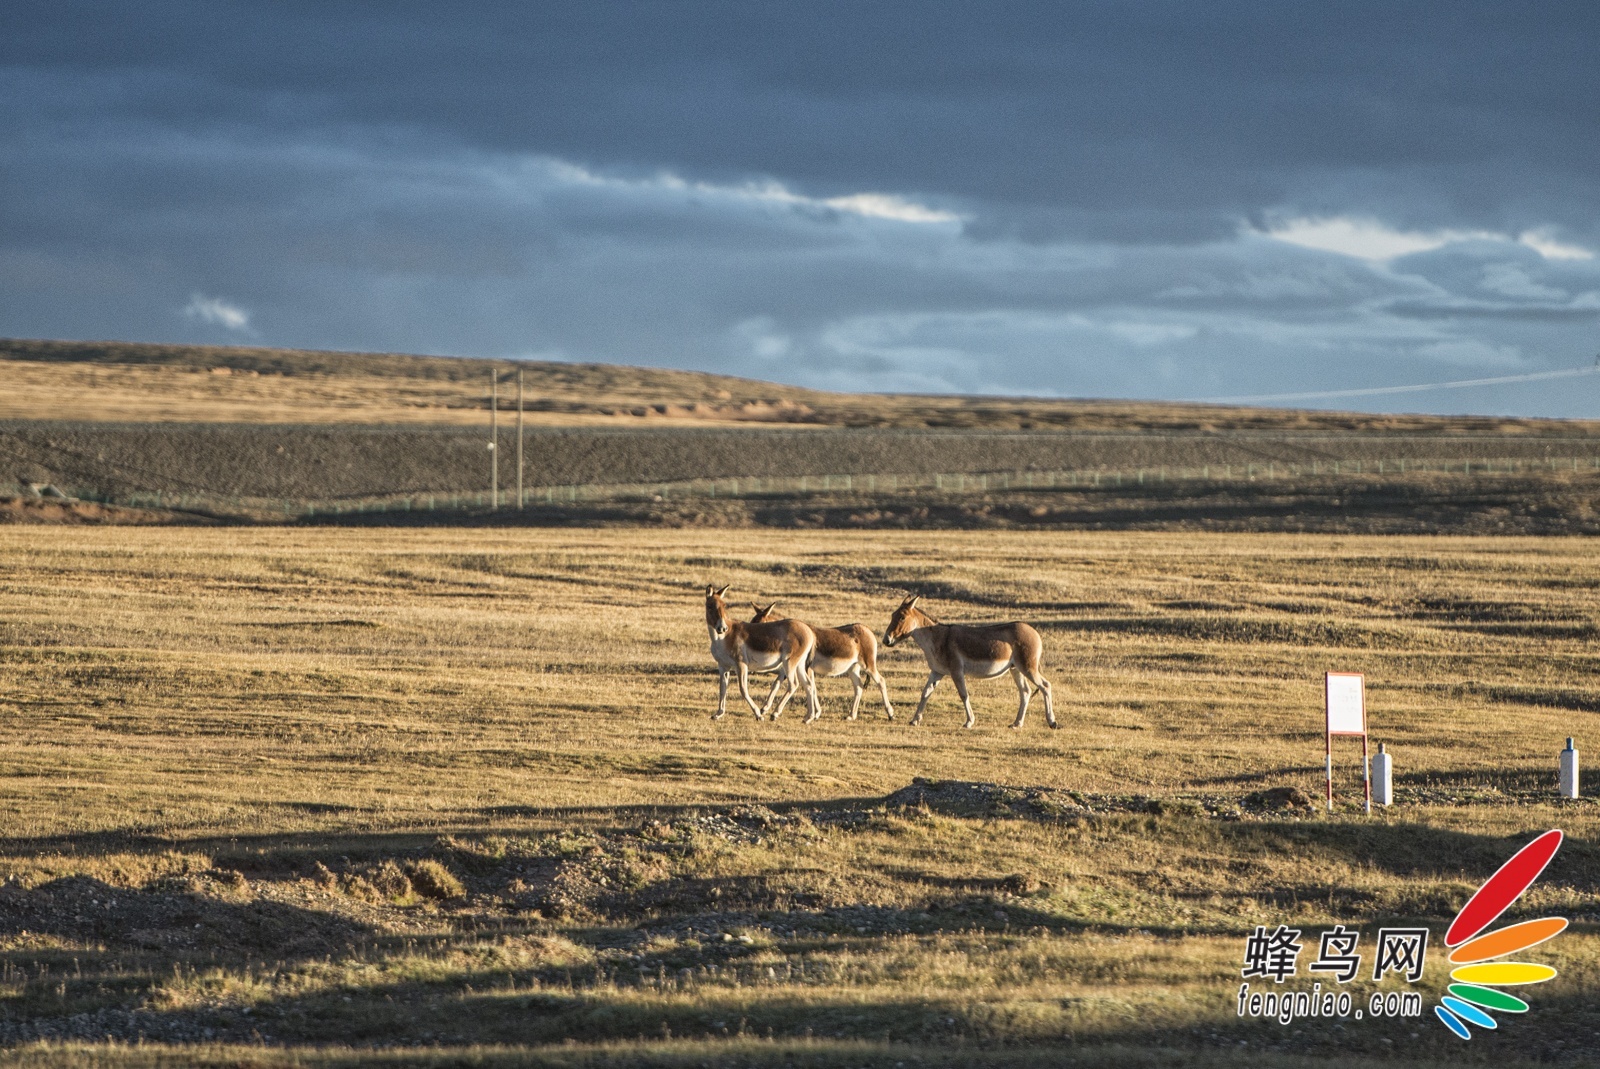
1458, 384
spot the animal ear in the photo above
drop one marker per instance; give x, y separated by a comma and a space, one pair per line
723, 591
912, 601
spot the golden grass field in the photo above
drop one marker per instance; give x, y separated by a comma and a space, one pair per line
294, 796
141, 383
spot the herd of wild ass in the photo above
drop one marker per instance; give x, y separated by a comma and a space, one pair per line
798, 652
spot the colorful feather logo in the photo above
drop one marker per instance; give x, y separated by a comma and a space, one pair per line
1474, 951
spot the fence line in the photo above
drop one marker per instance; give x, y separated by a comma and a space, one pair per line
806, 485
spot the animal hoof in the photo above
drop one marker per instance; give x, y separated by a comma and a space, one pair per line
1054, 726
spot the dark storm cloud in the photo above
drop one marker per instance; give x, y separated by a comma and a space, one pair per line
1149, 200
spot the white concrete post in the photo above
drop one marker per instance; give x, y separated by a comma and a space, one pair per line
1569, 771
1383, 776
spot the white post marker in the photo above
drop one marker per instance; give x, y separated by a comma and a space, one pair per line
1345, 704
1569, 771
1383, 776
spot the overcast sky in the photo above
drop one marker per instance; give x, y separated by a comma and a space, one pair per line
1157, 200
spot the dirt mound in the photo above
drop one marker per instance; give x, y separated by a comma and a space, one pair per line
963, 798
1279, 798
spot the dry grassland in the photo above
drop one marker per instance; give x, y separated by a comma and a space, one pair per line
276, 796
147, 383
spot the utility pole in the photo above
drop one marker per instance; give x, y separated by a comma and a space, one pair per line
494, 438
522, 502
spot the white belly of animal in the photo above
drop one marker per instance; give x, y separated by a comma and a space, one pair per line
763, 662
828, 666
985, 669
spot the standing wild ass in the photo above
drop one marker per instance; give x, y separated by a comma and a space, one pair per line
982, 651
782, 646
850, 650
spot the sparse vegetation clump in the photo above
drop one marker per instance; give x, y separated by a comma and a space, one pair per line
432, 879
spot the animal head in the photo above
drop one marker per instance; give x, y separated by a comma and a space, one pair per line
716, 610
904, 621
764, 614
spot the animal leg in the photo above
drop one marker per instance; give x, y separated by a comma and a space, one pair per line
966, 699
722, 696
813, 704
744, 691
861, 688
771, 694
927, 692
1023, 695
811, 694
788, 694
1037, 679
877, 677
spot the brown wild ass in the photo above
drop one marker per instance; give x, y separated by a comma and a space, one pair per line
782, 646
850, 650
982, 651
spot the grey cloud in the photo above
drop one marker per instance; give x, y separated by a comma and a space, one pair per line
585, 180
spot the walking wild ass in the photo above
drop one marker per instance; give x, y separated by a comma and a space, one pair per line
781, 646
850, 650
981, 651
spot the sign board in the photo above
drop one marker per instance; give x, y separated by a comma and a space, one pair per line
1346, 703
1345, 708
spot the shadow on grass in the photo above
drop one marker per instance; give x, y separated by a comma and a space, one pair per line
173, 919
796, 1017
121, 964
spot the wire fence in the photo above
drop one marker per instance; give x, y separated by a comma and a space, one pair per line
789, 486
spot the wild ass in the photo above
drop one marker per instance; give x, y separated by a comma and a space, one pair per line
979, 650
781, 646
850, 650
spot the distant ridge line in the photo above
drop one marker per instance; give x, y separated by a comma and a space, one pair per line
1374, 391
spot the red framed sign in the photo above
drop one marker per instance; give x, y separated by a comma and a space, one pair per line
1345, 708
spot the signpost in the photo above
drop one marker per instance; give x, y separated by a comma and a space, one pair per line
1345, 703
522, 500
494, 438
